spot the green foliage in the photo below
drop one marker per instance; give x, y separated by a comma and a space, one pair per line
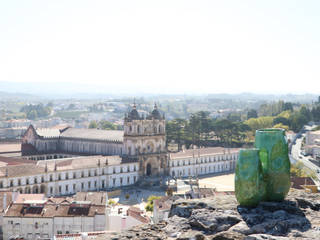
103, 124
315, 112
93, 124
274, 108
258, 123
281, 120
36, 111
149, 206
280, 125
299, 170
252, 114
111, 202
70, 114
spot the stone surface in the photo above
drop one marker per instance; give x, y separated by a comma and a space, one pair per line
221, 218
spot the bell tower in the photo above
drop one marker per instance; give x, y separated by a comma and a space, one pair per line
145, 141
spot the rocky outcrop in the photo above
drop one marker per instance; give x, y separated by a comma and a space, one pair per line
220, 218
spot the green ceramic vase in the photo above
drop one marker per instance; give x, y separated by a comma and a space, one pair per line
275, 162
249, 184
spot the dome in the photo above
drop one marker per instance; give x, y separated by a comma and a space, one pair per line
134, 115
155, 113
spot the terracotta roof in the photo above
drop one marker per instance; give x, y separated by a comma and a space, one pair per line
298, 182
203, 152
26, 197
93, 134
29, 167
21, 170
164, 203
137, 215
96, 198
14, 161
49, 210
78, 162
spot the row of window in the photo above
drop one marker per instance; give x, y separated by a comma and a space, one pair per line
203, 160
156, 130
68, 176
203, 170
94, 185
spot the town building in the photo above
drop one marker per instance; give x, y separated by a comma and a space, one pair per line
120, 217
312, 146
33, 216
195, 162
67, 176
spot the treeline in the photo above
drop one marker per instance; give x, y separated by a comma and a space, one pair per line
237, 130
36, 111
105, 125
201, 130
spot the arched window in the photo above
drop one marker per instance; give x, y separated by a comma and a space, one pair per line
155, 130
159, 129
138, 129
130, 129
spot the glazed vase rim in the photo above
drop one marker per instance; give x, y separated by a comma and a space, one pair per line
271, 130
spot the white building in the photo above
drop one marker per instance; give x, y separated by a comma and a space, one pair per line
33, 216
194, 162
312, 146
120, 217
68, 176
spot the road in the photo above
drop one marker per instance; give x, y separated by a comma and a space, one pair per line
297, 156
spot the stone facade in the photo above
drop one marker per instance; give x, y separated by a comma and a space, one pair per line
145, 140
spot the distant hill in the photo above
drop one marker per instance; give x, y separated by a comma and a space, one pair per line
96, 91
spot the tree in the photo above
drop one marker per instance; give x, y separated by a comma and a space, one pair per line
252, 114
106, 125
281, 120
36, 111
288, 106
149, 206
175, 131
32, 114
93, 124
315, 112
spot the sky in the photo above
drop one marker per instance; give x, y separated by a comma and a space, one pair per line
165, 46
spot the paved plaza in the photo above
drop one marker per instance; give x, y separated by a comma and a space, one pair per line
221, 183
139, 196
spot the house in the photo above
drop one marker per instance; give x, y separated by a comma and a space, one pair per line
34, 216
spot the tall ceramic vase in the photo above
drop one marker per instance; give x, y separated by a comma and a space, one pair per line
275, 162
249, 184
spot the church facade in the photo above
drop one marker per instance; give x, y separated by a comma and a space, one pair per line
143, 141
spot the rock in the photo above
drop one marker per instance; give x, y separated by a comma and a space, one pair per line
220, 217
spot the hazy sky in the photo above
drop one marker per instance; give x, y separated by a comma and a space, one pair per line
164, 46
